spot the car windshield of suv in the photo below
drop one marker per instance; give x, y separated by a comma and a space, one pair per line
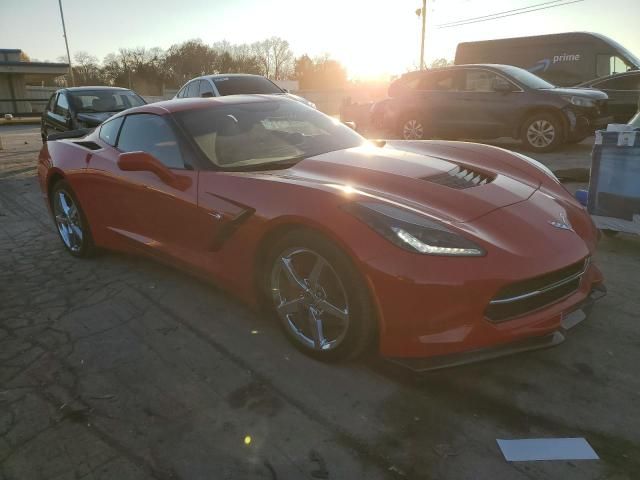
526, 78
264, 135
93, 101
245, 85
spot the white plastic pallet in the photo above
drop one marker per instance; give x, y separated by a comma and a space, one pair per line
618, 224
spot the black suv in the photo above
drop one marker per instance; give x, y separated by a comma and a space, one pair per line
490, 101
84, 107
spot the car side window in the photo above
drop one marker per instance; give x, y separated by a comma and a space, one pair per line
193, 89
628, 82
438, 81
62, 105
483, 81
182, 91
109, 130
206, 88
152, 134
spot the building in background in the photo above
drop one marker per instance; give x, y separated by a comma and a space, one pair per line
20, 80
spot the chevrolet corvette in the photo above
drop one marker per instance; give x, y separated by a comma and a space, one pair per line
433, 253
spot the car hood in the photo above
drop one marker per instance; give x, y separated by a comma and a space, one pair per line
94, 119
443, 188
582, 92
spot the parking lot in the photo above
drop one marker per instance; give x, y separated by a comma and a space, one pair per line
120, 368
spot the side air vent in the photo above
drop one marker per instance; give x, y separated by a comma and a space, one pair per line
89, 145
460, 177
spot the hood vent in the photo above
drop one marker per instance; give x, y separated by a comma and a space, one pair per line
460, 178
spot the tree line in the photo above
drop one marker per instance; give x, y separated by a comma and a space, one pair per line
151, 70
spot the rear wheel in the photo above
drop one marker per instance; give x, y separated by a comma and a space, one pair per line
542, 132
319, 297
70, 220
412, 127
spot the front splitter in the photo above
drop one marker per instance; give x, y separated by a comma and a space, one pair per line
569, 320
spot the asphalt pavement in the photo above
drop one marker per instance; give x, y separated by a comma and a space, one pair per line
120, 368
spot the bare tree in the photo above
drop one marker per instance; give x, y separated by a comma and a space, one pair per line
86, 69
275, 57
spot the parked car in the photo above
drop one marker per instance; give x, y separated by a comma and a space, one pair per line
563, 59
84, 107
350, 244
623, 90
490, 101
234, 84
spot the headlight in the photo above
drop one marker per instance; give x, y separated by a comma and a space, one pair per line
413, 232
580, 101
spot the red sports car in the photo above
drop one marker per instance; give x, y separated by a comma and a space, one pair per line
436, 252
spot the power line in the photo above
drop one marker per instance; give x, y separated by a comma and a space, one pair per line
509, 13
500, 13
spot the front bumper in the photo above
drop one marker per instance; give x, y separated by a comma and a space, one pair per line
583, 121
569, 320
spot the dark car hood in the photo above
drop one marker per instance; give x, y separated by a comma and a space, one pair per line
94, 119
416, 180
582, 92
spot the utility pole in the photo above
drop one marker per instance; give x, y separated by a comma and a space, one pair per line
66, 42
424, 16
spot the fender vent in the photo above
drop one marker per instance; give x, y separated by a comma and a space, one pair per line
89, 145
460, 177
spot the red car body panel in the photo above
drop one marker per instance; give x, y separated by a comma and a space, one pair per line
217, 223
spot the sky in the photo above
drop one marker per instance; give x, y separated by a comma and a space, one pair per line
372, 38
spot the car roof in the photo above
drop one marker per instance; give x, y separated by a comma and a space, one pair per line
629, 73
88, 88
178, 105
228, 75
490, 66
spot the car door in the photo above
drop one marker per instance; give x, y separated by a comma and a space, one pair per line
145, 211
490, 103
436, 96
59, 118
624, 96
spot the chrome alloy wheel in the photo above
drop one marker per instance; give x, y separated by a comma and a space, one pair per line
310, 299
541, 133
412, 130
68, 221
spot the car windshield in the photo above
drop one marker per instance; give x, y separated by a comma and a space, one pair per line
526, 78
268, 134
91, 101
245, 85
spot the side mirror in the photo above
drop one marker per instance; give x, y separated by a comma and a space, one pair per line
351, 125
206, 94
145, 162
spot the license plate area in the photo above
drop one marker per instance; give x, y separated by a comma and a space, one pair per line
571, 319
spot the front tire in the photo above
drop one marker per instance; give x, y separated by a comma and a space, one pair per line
71, 222
542, 132
319, 297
